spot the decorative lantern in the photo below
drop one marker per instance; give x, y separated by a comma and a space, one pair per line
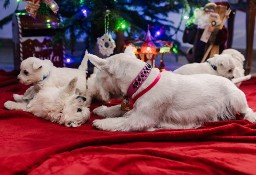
148, 49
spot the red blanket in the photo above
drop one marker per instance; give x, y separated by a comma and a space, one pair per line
30, 145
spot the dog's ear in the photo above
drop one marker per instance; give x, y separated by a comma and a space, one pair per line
48, 62
97, 62
36, 65
70, 88
129, 50
239, 57
84, 64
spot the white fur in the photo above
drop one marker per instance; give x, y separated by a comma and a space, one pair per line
229, 64
100, 85
175, 102
42, 73
61, 105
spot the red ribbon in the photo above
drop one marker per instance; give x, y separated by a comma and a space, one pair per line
33, 6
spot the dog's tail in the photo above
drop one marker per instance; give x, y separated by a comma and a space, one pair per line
84, 64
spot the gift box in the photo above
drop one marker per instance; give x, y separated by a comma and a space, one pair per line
37, 37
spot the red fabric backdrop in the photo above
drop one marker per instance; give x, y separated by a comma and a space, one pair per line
30, 145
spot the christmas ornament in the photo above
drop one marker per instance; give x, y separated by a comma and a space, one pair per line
33, 6
106, 44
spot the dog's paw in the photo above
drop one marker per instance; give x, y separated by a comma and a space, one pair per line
103, 125
9, 105
18, 97
100, 111
100, 124
251, 118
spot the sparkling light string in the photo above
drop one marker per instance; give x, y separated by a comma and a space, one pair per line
107, 21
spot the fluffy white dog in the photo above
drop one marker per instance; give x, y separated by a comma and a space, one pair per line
42, 73
174, 102
221, 65
99, 85
61, 105
228, 64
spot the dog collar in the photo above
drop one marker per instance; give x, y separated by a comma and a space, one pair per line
128, 102
44, 77
212, 65
138, 81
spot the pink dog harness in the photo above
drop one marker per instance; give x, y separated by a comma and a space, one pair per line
128, 102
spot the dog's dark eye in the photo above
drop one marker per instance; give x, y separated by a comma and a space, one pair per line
25, 72
230, 70
79, 110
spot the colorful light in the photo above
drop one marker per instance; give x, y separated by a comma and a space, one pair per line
84, 11
53, 6
48, 20
158, 33
68, 60
81, 2
186, 17
121, 24
18, 0
175, 50
165, 50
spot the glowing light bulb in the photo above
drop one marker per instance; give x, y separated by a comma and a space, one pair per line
48, 20
158, 33
185, 17
84, 11
68, 60
123, 26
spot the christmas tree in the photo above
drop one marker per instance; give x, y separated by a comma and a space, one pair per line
127, 19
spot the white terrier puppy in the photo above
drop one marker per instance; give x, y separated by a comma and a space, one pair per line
239, 66
166, 100
221, 65
61, 105
42, 73
229, 64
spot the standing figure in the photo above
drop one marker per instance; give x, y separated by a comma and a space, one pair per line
205, 30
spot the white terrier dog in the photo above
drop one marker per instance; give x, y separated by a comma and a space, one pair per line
42, 73
99, 85
229, 64
61, 105
172, 102
238, 60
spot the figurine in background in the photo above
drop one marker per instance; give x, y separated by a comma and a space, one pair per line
206, 30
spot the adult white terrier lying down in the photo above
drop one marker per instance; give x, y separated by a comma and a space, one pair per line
166, 100
229, 64
61, 105
42, 73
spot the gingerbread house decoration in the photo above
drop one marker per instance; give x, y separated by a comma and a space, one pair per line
37, 37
